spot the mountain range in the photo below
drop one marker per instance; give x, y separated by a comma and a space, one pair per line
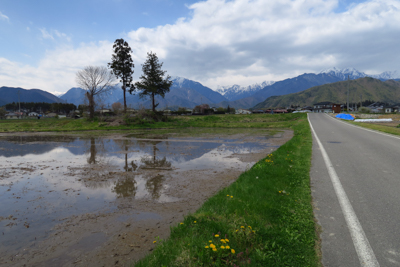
10, 94
236, 92
188, 93
360, 89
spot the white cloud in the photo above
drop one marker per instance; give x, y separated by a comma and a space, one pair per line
46, 34
50, 35
224, 40
56, 71
240, 41
4, 17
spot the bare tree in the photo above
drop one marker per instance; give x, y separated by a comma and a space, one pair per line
95, 80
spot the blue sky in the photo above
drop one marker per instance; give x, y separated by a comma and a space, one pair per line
43, 43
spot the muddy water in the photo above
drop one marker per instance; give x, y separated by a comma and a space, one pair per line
102, 200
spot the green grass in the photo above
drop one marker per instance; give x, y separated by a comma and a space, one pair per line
218, 121
378, 127
276, 206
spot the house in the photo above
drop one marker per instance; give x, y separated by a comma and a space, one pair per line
12, 116
327, 107
242, 111
51, 115
279, 110
33, 114
376, 107
102, 111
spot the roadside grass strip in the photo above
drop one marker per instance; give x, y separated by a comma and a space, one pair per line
265, 218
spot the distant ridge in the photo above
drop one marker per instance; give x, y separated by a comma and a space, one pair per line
188, 93
10, 94
368, 88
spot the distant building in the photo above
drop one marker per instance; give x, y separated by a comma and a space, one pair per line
33, 114
242, 111
376, 107
11, 116
327, 107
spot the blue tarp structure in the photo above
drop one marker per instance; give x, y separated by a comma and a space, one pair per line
345, 116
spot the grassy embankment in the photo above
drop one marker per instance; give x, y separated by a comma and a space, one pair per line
266, 214
379, 127
226, 121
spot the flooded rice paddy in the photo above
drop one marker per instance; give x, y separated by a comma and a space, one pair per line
101, 200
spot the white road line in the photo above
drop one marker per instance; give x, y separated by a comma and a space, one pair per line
364, 251
366, 129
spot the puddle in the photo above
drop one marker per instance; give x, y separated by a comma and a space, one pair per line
88, 201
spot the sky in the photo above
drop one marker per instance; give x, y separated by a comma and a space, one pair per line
43, 43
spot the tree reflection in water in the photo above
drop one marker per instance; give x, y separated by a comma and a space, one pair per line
92, 152
95, 148
123, 184
96, 174
154, 162
154, 185
125, 187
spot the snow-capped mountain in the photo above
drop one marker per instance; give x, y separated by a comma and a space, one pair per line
213, 96
352, 73
236, 92
387, 75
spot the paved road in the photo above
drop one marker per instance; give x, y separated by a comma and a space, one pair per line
367, 165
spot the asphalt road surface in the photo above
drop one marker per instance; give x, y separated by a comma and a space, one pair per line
355, 183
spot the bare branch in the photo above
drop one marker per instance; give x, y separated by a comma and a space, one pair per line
95, 80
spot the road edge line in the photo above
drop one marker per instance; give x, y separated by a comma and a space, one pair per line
364, 251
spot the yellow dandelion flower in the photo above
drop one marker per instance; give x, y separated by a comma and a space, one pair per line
249, 227
227, 240
237, 230
216, 235
214, 249
223, 241
242, 226
280, 192
181, 223
212, 246
207, 247
210, 241
227, 247
254, 231
231, 196
195, 221
222, 247
154, 241
227, 195
233, 251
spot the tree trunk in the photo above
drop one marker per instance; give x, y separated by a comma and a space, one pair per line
91, 105
154, 104
124, 89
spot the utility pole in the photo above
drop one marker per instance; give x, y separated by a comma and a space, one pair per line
19, 102
348, 83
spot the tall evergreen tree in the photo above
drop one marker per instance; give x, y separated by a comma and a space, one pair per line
122, 66
152, 82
